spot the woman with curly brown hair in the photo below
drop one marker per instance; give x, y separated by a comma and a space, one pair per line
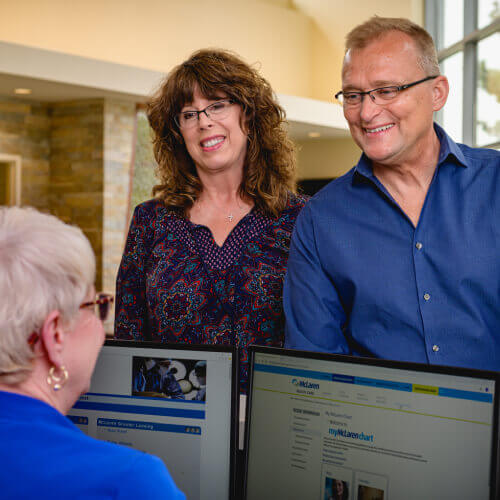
205, 259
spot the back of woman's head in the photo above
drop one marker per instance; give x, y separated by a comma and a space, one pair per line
45, 265
270, 162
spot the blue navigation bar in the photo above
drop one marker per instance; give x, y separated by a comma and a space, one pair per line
345, 379
474, 396
142, 410
371, 382
148, 426
383, 384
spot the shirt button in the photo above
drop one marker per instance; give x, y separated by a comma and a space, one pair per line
426, 296
418, 245
435, 348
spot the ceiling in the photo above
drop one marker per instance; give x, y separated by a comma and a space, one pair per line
48, 91
300, 127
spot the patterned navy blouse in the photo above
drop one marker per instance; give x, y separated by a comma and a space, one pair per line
175, 284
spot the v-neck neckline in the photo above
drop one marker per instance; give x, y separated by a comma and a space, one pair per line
195, 226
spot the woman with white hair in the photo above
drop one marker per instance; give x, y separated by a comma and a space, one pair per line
50, 336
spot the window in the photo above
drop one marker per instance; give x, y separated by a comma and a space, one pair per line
467, 36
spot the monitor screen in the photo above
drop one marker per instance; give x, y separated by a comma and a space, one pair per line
335, 427
173, 401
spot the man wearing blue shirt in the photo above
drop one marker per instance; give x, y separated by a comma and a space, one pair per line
400, 257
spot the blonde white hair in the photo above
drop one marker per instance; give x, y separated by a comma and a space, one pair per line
376, 27
45, 265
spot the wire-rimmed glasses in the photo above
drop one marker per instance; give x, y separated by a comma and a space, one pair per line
215, 111
381, 95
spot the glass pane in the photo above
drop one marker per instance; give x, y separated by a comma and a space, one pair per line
452, 22
452, 113
488, 91
488, 11
144, 166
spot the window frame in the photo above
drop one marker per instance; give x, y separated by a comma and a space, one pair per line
434, 15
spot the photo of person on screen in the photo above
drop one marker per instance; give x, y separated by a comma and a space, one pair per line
336, 489
181, 379
153, 377
200, 373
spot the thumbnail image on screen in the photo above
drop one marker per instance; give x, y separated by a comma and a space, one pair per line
336, 489
169, 378
369, 493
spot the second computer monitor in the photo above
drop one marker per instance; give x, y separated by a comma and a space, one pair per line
326, 427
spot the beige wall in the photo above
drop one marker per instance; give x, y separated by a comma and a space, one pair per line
157, 34
320, 159
298, 44
333, 19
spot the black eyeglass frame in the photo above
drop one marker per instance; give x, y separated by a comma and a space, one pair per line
198, 113
398, 89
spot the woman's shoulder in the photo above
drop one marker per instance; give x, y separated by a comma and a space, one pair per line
150, 208
297, 200
153, 213
295, 203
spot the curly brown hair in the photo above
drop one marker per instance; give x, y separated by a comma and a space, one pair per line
269, 173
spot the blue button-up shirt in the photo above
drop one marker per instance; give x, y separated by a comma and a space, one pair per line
363, 280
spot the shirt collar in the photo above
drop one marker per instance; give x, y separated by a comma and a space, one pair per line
448, 149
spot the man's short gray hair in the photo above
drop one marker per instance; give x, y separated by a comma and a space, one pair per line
363, 34
45, 265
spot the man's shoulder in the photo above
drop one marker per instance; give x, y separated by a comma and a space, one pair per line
481, 156
335, 189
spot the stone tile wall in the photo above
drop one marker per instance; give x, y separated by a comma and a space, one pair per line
76, 158
119, 139
91, 155
76, 169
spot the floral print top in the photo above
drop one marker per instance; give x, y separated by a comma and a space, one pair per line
175, 284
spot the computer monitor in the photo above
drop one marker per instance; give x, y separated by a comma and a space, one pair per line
177, 402
328, 427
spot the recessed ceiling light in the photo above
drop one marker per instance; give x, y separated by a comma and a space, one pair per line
313, 135
22, 91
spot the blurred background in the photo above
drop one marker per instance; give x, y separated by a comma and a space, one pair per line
74, 78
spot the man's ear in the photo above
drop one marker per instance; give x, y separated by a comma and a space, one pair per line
440, 91
52, 336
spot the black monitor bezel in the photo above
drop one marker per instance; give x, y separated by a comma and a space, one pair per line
222, 348
401, 365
